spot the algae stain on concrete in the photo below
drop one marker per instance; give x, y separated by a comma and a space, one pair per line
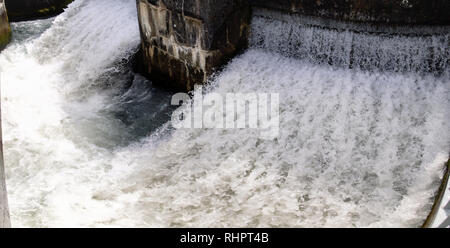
5, 29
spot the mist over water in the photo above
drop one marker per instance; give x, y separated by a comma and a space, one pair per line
88, 143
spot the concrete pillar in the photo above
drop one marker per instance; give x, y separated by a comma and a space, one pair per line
184, 40
5, 30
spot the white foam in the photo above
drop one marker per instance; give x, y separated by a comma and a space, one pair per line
48, 107
369, 155
355, 148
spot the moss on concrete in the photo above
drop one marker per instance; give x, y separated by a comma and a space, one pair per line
4, 39
5, 31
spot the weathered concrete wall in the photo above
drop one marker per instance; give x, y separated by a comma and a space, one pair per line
183, 41
21, 10
425, 12
5, 30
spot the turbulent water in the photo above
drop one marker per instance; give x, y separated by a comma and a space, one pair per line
353, 46
86, 144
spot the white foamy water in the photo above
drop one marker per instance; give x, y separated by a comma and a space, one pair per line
356, 148
353, 46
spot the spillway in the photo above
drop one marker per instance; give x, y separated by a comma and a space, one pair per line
364, 129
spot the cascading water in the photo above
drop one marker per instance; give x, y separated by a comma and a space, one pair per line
69, 99
86, 144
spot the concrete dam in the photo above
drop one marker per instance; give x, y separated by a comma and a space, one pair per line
88, 139
185, 40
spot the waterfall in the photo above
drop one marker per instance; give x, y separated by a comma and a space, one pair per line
87, 142
362, 46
